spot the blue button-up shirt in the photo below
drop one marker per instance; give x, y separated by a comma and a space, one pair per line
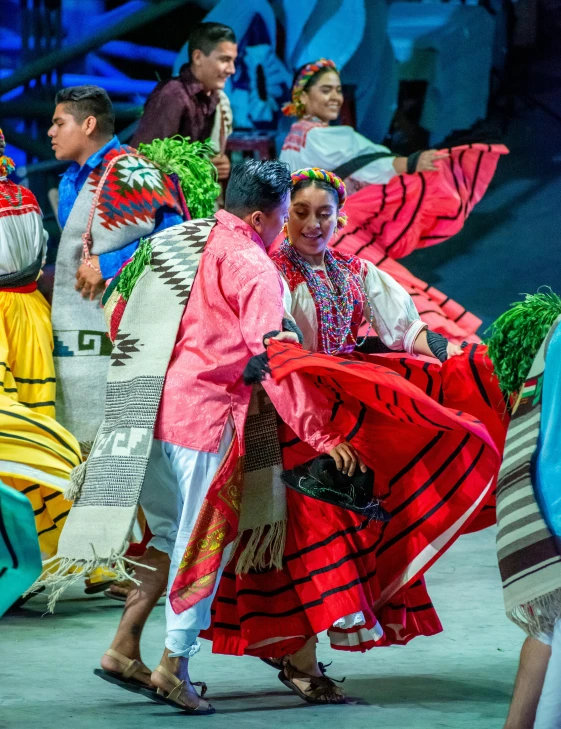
71, 183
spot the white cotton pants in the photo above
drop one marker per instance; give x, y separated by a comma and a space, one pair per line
548, 715
176, 484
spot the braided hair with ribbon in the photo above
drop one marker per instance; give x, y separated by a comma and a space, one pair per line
303, 78
7, 164
315, 173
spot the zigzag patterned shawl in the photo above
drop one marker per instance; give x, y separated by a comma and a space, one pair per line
131, 195
528, 553
107, 487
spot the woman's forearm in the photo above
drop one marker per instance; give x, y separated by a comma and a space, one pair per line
421, 345
400, 165
436, 345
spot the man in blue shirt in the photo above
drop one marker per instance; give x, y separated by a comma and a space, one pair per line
110, 198
87, 146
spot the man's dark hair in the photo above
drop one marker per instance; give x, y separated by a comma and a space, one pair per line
256, 185
206, 36
85, 101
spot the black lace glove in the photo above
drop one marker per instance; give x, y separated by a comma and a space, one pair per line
412, 161
437, 345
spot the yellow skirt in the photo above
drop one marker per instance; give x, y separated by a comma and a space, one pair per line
36, 453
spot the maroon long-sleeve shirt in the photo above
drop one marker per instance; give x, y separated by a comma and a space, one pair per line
178, 106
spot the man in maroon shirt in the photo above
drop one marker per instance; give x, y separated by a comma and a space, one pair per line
188, 104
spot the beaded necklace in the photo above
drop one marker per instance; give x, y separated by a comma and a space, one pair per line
335, 304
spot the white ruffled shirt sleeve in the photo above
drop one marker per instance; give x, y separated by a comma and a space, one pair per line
22, 240
330, 147
394, 315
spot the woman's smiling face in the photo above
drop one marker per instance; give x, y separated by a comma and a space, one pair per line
312, 219
325, 98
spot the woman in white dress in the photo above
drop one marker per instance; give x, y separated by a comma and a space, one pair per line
397, 204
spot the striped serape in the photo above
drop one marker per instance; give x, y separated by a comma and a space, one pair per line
529, 554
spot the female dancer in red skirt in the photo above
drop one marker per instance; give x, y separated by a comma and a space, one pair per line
397, 204
430, 434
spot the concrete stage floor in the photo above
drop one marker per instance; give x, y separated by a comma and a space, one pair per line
460, 679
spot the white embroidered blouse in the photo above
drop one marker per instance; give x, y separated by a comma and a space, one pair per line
393, 314
22, 237
311, 143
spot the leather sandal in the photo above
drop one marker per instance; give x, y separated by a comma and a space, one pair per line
280, 662
275, 662
172, 698
322, 689
129, 678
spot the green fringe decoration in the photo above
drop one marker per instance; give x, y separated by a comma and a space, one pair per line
190, 161
517, 335
131, 272
109, 290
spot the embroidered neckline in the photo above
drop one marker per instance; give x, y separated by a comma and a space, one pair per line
337, 292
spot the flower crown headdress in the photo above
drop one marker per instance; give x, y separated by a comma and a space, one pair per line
296, 107
315, 173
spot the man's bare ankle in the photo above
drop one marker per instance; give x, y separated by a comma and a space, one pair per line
172, 664
127, 647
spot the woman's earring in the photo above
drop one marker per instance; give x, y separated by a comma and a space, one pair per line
285, 230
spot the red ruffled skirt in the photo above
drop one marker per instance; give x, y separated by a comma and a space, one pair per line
433, 436
387, 222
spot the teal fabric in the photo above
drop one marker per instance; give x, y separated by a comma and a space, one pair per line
547, 464
20, 557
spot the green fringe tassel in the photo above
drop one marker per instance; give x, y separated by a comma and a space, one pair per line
131, 272
109, 290
517, 335
191, 162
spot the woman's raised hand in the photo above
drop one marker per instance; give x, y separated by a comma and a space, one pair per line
427, 160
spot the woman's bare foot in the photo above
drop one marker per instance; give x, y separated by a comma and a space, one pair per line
276, 663
311, 688
303, 671
179, 667
305, 660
